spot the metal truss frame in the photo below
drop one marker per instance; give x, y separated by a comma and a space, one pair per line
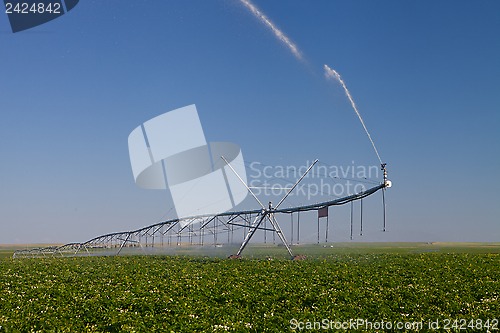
202, 230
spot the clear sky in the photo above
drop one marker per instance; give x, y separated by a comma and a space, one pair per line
425, 76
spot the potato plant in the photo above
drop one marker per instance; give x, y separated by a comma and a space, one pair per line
196, 294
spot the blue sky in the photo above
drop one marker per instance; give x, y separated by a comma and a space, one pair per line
425, 76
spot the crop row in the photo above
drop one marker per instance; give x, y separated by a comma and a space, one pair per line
186, 294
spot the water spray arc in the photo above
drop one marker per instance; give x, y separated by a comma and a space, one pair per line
332, 74
329, 72
275, 30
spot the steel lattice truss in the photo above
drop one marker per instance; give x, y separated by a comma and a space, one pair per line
196, 230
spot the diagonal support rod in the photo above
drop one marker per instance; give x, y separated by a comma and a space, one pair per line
296, 183
243, 182
278, 230
268, 212
255, 225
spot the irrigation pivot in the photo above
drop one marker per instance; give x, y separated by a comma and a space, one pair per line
197, 231
267, 213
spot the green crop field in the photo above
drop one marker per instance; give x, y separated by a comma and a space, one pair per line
381, 287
